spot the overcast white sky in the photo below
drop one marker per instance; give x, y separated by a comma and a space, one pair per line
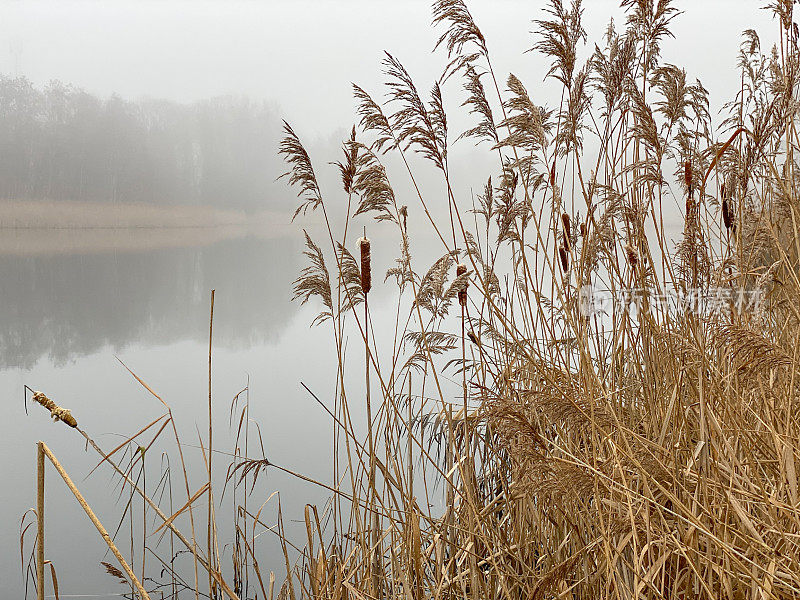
303, 54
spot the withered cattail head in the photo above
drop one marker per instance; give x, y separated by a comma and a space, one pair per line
727, 213
687, 175
404, 215
553, 174
583, 230
58, 413
366, 272
633, 255
567, 229
727, 217
461, 269
564, 255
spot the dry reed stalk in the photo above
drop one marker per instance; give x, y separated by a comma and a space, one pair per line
366, 286
95, 521
106, 458
40, 521
210, 512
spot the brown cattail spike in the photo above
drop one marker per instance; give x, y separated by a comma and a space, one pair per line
366, 272
567, 230
461, 269
564, 255
687, 175
727, 215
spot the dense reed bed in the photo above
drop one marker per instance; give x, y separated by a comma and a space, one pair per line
573, 403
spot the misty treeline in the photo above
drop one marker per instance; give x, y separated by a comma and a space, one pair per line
59, 142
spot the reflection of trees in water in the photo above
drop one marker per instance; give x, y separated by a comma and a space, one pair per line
67, 306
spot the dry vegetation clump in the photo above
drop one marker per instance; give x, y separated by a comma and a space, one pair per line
528, 447
514, 438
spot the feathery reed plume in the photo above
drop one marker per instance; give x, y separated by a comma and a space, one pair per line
373, 119
301, 172
479, 105
462, 29
372, 185
314, 280
560, 37
347, 168
650, 22
414, 123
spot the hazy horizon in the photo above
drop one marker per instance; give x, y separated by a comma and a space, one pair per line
303, 62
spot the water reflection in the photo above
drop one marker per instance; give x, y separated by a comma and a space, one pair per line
65, 305
66, 312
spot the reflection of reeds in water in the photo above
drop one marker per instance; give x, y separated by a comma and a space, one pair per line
529, 448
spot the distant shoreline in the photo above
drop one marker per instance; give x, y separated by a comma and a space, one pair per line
70, 214
48, 227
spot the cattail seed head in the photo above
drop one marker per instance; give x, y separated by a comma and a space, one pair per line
366, 272
564, 255
727, 218
461, 269
583, 230
633, 255
727, 213
567, 230
687, 176
58, 413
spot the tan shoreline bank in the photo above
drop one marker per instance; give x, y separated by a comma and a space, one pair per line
44, 227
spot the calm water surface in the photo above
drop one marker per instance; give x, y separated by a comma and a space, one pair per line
68, 318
